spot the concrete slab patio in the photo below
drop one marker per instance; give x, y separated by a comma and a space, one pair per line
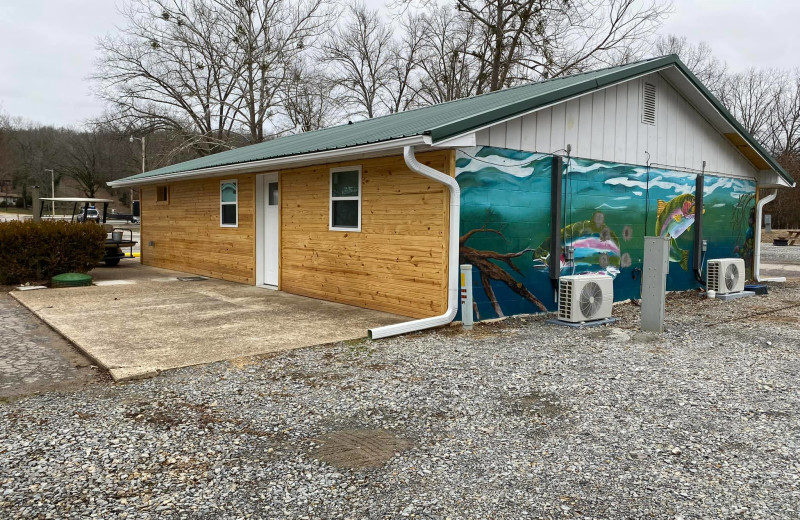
142, 320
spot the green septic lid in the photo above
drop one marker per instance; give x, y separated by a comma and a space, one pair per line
71, 280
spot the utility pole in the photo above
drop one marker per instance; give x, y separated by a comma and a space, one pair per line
142, 139
52, 191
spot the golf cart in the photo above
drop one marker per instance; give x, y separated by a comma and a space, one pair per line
84, 210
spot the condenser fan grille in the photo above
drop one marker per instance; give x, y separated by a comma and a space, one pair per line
731, 276
591, 299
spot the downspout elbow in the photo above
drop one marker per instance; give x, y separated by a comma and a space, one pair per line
757, 240
453, 245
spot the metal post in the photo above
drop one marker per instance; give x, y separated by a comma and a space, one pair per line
556, 182
144, 162
37, 204
697, 260
52, 191
654, 282
466, 296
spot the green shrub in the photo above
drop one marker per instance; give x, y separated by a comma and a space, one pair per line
36, 251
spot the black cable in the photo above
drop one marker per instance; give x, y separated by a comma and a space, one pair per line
647, 195
568, 221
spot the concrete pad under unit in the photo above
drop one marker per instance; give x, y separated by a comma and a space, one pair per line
136, 329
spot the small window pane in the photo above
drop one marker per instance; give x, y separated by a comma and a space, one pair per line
345, 184
229, 214
162, 193
345, 213
272, 190
229, 192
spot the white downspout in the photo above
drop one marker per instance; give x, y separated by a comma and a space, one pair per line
452, 265
757, 246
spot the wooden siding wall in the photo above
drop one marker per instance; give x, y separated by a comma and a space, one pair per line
397, 263
607, 126
187, 235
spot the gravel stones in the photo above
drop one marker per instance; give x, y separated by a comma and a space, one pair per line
516, 419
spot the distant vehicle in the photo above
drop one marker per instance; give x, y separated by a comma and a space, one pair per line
90, 215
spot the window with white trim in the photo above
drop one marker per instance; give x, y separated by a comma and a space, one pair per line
345, 208
229, 203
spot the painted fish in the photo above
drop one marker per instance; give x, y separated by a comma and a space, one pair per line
596, 249
675, 217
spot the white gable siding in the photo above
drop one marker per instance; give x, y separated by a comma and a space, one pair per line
606, 126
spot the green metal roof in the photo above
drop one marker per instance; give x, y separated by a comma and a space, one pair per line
447, 120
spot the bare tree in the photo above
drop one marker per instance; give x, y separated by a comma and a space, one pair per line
307, 99
31, 149
84, 162
360, 51
699, 58
751, 96
448, 68
783, 131
269, 36
206, 69
406, 52
511, 41
170, 68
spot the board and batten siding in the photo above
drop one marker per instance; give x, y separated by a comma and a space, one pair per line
186, 232
607, 126
397, 262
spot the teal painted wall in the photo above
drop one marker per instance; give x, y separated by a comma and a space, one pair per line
608, 210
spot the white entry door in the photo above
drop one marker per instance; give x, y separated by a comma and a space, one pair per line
270, 214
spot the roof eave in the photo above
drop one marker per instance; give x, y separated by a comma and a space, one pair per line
276, 163
765, 155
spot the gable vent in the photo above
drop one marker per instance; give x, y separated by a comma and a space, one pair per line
649, 104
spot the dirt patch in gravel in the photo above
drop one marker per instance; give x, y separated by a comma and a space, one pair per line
540, 404
358, 449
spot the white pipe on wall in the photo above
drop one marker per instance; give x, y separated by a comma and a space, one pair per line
452, 264
757, 246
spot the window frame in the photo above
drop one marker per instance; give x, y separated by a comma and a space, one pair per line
234, 203
159, 187
331, 198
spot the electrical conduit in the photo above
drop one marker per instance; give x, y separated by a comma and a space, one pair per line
757, 245
453, 246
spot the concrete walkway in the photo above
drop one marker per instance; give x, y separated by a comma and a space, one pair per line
141, 320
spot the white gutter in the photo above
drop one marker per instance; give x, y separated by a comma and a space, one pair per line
757, 246
452, 266
291, 161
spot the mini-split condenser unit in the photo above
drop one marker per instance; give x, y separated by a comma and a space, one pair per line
725, 275
585, 297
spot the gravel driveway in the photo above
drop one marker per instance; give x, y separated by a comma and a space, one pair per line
780, 254
517, 419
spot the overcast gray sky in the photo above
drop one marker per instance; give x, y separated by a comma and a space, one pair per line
47, 47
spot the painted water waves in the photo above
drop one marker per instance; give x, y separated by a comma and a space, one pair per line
608, 209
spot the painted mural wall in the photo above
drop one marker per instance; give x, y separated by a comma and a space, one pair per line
608, 209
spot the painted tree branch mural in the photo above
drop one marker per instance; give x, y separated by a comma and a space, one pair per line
483, 262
